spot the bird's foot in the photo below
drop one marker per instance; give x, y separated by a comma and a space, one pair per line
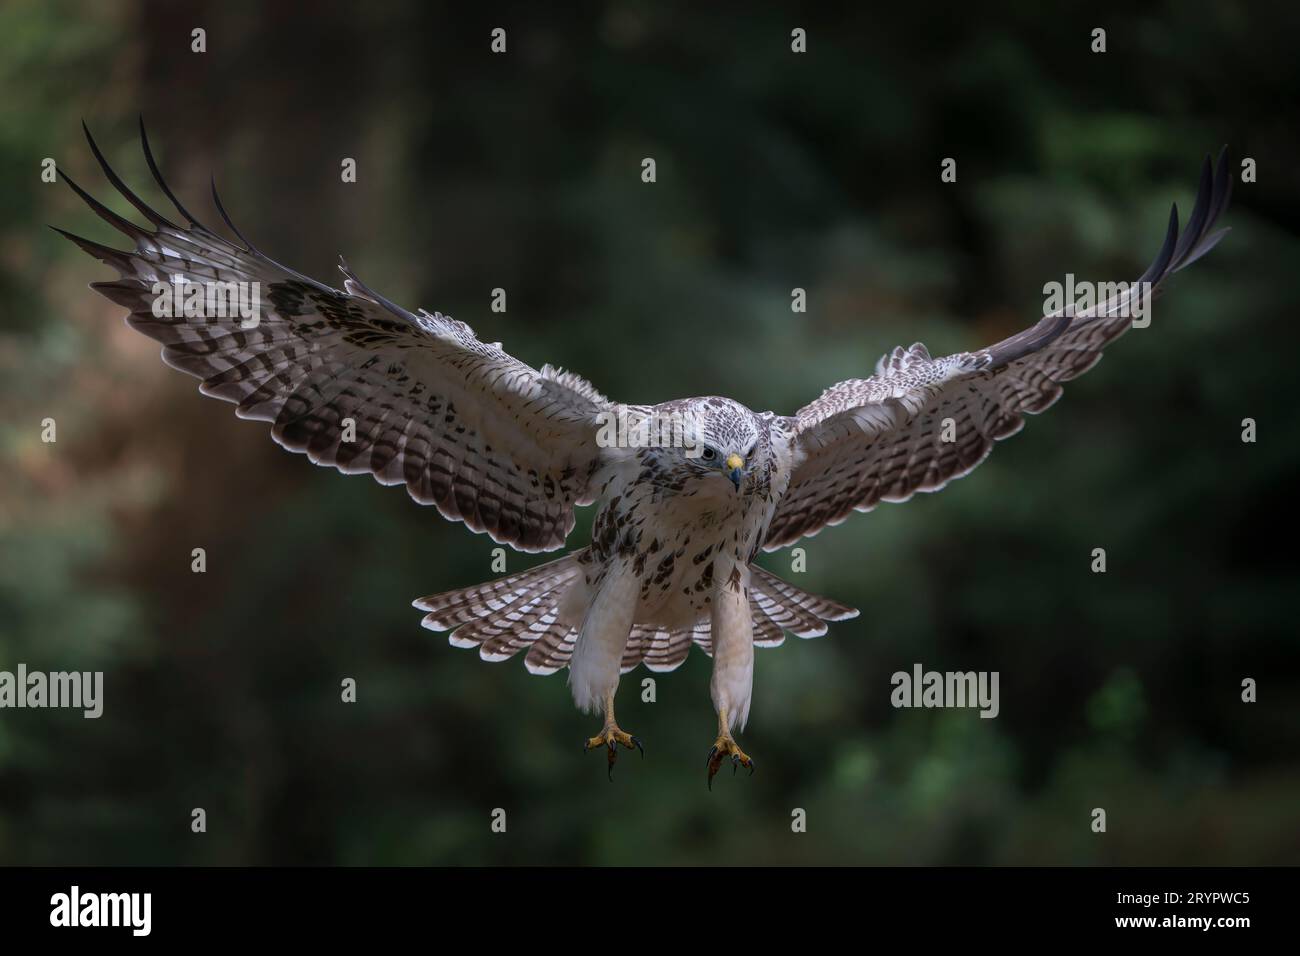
726, 746
610, 738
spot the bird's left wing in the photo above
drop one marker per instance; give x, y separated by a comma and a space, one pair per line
354, 380
920, 422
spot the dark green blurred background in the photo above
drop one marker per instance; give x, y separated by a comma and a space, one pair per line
522, 171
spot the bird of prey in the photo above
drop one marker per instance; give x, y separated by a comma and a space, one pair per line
355, 381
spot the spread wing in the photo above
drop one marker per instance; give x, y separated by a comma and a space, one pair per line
883, 438
359, 383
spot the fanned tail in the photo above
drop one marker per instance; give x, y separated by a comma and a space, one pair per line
524, 611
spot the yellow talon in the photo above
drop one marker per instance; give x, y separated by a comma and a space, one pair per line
611, 736
726, 746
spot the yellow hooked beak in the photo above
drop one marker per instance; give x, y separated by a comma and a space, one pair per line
734, 465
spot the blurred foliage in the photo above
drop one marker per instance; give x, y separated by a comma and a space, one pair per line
1119, 690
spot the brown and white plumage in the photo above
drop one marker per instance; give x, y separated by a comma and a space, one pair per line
511, 451
485, 438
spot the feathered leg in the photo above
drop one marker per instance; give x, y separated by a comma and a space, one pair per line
594, 669
732, 684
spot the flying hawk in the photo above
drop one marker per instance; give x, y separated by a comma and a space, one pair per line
414, 398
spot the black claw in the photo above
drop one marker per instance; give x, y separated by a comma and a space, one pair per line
752, 766
637, 741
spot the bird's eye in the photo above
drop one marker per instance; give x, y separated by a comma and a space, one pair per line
750, 454
708, 454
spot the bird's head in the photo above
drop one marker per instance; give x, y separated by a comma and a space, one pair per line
723, 442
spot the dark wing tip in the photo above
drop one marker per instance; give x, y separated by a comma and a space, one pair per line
119, 260
221, 209
1212, 194
120, 223
252, 250
1222, 191
117, 182
162, 183
1211, 200
1196, 223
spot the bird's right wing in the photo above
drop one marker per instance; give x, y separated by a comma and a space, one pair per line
360, 383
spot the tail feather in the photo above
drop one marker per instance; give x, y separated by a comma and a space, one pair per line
453, 608
638, 643
767, 633
778, 605
789, 618
552, 649
488, 624
503, 617
669, 648
531, 623
502, 636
